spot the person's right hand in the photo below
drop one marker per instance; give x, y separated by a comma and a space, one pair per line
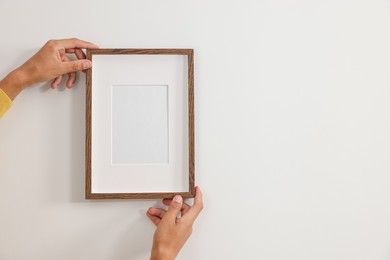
52, 62
173, 230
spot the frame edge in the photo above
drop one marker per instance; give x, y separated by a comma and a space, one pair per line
191, 130
88, 130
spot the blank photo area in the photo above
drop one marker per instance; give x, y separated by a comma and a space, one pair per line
140, 124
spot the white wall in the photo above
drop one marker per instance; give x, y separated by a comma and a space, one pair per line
292, 130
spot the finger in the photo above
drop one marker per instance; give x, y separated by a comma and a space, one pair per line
71, 50
154, 219
194, 211
167, 202
157, 212
71, 79
76, 43
174, 209
56, 82
80, 54
62, 55
184, 208
77, 65
71, 76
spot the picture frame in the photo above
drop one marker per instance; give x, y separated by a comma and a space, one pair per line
140, 124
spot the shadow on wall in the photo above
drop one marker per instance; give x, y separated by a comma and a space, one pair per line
77, 133
117, 238
67, 146
131, 242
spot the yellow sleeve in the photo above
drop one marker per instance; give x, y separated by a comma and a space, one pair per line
5, 102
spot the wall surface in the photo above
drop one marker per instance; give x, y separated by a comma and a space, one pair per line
292, 130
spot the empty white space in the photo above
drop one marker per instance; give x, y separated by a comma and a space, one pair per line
139, 124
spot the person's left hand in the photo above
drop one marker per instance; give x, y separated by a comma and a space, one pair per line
174, 226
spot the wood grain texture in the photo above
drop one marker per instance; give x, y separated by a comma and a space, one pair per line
191, 126
142, 51
88, 131
154, 195
191, 123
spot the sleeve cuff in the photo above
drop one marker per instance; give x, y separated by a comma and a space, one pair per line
5, 102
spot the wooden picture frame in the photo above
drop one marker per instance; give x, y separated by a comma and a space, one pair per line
106, 179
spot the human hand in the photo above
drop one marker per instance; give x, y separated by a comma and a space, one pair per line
173, 230
52, 62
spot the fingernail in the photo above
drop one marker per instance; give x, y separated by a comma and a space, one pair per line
178, 199
87, 64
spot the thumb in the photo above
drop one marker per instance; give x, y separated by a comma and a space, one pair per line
77, 65
174, 208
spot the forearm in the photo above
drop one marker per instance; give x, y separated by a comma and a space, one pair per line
172, 232
14, 83
160, 254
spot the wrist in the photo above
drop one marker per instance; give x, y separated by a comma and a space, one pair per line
159, 253
14, 83
20, 78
